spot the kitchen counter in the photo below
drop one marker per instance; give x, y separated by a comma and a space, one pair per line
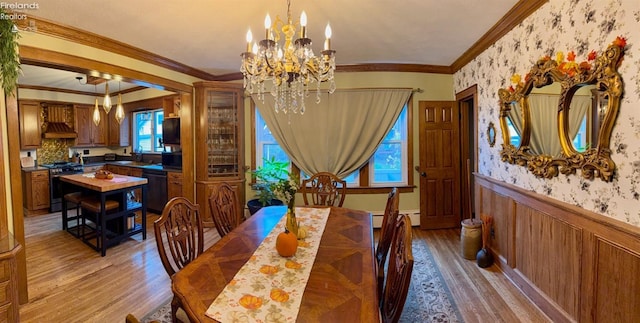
130, 163
33, 169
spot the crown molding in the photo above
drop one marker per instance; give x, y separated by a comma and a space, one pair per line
517, 14
84, 37
512, 18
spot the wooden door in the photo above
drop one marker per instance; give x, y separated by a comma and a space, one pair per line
439, 165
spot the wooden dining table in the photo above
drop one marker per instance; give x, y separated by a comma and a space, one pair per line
341, 285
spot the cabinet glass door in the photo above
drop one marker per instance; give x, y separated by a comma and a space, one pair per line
222, 136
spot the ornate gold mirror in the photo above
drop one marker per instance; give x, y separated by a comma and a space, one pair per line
491, 134
560, 118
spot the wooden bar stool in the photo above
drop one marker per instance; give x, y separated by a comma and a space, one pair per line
74, 198
91, 206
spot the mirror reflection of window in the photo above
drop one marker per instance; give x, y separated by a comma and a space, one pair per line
580, 141
514, 134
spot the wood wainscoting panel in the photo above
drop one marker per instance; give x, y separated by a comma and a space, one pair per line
501, 208
574, 264
617, 284
548, 253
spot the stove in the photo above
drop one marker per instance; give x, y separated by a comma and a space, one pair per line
63, 168
57, 169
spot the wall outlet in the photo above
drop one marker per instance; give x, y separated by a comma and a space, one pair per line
85, 152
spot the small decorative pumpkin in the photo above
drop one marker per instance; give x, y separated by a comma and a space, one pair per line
286, 243
302, 232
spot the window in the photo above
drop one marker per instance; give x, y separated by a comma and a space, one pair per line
389, 165
390, 159
266, 145
147, 134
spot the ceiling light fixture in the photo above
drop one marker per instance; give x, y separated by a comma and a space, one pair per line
106, 103
292, 67
119, 107
96, 109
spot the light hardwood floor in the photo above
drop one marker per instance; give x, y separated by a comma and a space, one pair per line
69, 282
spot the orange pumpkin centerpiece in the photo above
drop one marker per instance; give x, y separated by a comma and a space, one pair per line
286, 243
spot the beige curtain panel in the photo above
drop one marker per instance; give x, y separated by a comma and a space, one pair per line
545, 138
338, 135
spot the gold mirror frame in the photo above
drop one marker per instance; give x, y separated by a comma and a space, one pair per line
601, 70
491, 134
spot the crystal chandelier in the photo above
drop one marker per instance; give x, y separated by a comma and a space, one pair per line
291, 67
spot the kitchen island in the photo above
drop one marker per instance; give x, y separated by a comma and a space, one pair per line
116, 189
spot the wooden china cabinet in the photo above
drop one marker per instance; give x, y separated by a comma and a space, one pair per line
219, 142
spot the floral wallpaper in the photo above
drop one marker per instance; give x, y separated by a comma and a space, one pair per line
566, 25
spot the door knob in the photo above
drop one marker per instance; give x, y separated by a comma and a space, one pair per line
423, 174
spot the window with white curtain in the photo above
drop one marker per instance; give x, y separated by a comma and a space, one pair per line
387, 167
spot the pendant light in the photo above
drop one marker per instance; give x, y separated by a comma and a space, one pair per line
106, 103
119, 108
96, 111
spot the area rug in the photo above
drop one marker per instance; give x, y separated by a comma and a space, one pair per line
428, 300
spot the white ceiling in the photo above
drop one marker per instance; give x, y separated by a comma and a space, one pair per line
210, 35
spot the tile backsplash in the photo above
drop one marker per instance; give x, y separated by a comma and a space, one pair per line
53, 150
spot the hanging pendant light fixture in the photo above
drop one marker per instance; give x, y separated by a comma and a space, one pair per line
96, 111
119, 107
106, 103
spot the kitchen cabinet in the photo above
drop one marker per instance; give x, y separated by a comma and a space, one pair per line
30, 122
219, 140
118, 132
36, 189
174, 185
90, 135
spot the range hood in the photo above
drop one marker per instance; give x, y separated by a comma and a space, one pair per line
56, 123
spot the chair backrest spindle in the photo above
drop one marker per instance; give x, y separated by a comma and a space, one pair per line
324, 189
179, 234
400, 268
223, 204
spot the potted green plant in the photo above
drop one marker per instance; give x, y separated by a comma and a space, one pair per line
9, 58
266, 178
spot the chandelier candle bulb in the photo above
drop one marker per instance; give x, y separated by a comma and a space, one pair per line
267, 26
303, 24
327, 42
249, 39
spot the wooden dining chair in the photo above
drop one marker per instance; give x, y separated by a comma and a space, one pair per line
180, 240
386, 234
324, 189
399, 276
225, 211
133, 319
